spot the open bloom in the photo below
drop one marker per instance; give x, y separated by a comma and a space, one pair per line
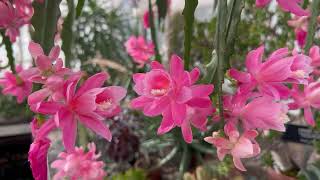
261, 112
47, 65
89, 104
290, 6
237, 146
140, 50
306, 99
17, 84
174, 95
269, 76
79, 165
13, 16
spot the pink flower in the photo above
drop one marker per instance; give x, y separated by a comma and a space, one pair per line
300, 25
146, 23
89, 104
13, 16
314, 54
140, 50
38, 158
237, 146
79, 165
173, 95
17, 84
261, 75
47, 65
261, 112
307, 99
288, 6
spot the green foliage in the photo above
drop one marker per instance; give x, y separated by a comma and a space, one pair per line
311, 172
267, 160
131, 174
188, 13
79, 7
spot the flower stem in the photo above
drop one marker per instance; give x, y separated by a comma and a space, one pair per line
188, 14
153, 32
315, 8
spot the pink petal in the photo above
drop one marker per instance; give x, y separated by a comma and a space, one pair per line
167, 123
253, 60
237, 162
97, 126
178, 112
94, 81
54, 53
35, 49
38, 96
194, 75
68, 125
156, 65
186, 131
140, 102
184, 95
293, 7
46, 128
43, 62
156, 107
117, 92
199, 102
239, 76
202, 90
176, 67
308, 115
262, 3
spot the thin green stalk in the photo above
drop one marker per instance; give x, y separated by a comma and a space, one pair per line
52, 16
220, 48
315, 8
167, 158
184, 160
188, 14
67, 33
9, 51
153, 32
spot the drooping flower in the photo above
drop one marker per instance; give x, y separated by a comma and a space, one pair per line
307, 99
140, 50
17, 84
261, 112
38, 158
174, 95
79, 165
288, 6
300, 25
237, 146
146, 23
89, 104
268, 77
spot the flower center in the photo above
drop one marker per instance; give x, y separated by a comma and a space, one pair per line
158, 92
299, 73
105, 105
19, 81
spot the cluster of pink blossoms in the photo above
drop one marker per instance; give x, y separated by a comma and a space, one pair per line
15, 14
79, 165
140, 50
258, 101
62, 101
174, 95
